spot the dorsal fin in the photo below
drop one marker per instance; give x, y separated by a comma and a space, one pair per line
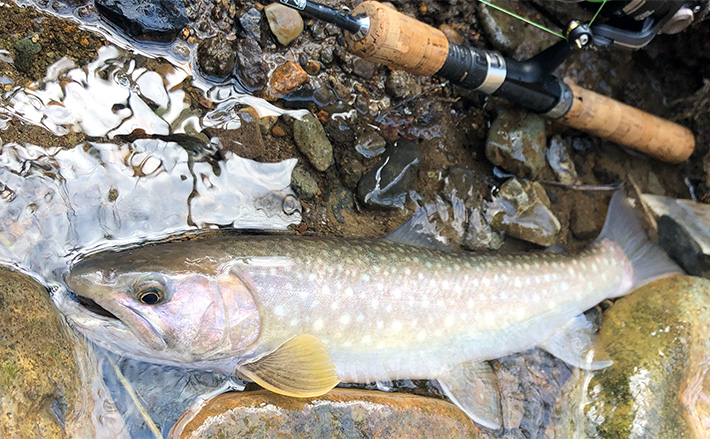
301, 367
418, 231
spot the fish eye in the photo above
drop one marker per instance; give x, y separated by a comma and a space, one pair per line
150, 290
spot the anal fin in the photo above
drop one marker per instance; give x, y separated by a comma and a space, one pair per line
473, 387
574, 344
301, 367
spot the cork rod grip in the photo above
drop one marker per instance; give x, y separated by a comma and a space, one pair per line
628, 126
399, 41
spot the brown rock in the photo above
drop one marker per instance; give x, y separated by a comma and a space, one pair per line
341, 413
451, 34
313, 67
285, 79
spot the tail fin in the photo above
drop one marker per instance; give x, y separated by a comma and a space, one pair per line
623, 227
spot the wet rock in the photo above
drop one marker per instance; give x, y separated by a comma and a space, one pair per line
658, 386
341, 413
370, 144
559, 159
25, 51
327, 55
451, 34
508, 35
364, 68
40, 377
340, 199
460, 183
304, 184
401, 85
285, 23
516, 142
251, 70
145, 19
388, 182
251, 23
351, 171
339, 129
216, 56
246, 141
479, 233
522, 210
312, 67
285, 79
309, 135
683, 231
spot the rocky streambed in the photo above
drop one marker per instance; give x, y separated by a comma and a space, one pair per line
197, 85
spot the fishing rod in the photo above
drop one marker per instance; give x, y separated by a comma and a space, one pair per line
382, 34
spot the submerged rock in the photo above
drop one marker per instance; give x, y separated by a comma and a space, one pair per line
370, 144
45, 388
479, 233
251, 70
389, 181
285, 23
522, 210
658, 387
310, 137
559, 160
247, 141
516, 142
216, 56
683, 231
341, 413
144, 19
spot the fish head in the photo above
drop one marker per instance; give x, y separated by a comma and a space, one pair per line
157, 309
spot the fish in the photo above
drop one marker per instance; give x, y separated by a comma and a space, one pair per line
298, 315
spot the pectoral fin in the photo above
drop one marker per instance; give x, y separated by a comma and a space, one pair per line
301, 367
574, 344
473, 387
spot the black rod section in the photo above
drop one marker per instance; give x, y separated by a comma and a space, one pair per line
325, 13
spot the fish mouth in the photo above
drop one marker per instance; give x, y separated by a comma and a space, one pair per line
91, 306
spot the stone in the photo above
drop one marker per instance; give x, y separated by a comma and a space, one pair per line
145, 19
351, 171
285, 23
310, 137
364, 68
341, 413
251, 70
451, 34
387, 184
25, 51
285, 79
338, 200
370, 144
516, 142
45, 379
312, 67
304, 184
558, 157
251, 23
657, 387
247, 141
216, 56
401, 85
522, 210
326, 55
479, 233
683, 231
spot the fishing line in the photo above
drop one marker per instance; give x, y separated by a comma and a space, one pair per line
598, 11
530, 22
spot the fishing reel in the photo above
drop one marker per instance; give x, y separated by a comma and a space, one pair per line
634, 23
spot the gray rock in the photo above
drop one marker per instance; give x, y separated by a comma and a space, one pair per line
460, 183
145, 19
304, 184
364, 68
388, 182
311, 140
683, 231
340, 199
251, 23
351, 171
216, 56
559, 160
327, 55
522, 210
516, 142
370, 144
251, 70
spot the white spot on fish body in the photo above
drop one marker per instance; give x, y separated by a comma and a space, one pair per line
380, 324
380, 286
318, 325
407, 271
366, 340
349, 292
279, 310
312, 277
449, 321
388, 308
421, 335
344, 319
397, 326
365, 277
517, 283
360, 318
334, 306
375, 303
420, 275
471, 303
